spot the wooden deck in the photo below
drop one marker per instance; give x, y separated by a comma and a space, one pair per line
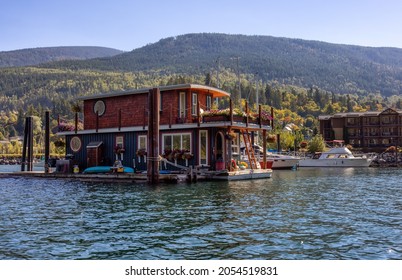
101, 177
224, 175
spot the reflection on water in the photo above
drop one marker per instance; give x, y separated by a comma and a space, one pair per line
304, 214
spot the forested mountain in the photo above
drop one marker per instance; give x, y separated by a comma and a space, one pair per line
300, 79
37, 56
333, 67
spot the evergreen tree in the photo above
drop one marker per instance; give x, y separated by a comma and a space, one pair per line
268, 94
316, 144
208, 79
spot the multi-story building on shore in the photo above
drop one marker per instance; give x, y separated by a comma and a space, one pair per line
370, 131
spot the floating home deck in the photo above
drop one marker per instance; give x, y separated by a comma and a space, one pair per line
101, 177
195, 175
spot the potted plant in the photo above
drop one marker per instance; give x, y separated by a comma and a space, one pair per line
187, 155
266, 118
168, 154
215, 115
119, 151
141, 152
271, 138
231, 135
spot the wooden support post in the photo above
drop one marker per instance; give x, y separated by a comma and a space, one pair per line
272, 116
97, 121
229, 150
246, 114
264, 148
47, 140
170, 116
30, 145
76, 122
231, 111
259, 116
145, 116
119, 119
190, 174
25, 145
198, 114
153, 136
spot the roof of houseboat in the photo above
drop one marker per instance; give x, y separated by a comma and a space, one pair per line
206, 89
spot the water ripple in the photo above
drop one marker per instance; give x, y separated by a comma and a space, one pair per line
304, 214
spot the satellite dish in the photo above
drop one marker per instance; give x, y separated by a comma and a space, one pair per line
99, 107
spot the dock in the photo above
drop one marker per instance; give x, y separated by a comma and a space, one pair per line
101, 177
225, 175
193, 176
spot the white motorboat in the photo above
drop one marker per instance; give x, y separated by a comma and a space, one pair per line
275, 160
336, 157
280, 161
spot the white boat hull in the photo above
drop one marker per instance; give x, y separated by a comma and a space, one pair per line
352, 162
243, 175
283, 163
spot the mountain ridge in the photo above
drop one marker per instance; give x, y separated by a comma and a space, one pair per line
36, 56
334, 67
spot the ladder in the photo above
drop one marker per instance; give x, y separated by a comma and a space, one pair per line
249, 149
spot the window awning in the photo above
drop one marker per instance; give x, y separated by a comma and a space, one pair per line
94, 144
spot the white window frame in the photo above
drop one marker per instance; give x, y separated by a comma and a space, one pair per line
194, 101
142, 139
209, 102
182, 104
119, 140
181, 141
206, 147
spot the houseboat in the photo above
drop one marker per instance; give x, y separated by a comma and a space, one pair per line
178, 129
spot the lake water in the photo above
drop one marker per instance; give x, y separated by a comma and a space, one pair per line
304, 214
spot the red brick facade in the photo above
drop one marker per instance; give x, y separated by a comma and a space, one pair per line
131, 109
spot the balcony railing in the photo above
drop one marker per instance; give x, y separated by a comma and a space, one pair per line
394, 123
390, 134
352, 124
261, 118
243, 116
354, 135
371, 134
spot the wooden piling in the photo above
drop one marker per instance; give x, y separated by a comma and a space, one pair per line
25, 145
153, 136
47, 141
30, 145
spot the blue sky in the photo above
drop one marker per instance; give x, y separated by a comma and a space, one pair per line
126, 25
